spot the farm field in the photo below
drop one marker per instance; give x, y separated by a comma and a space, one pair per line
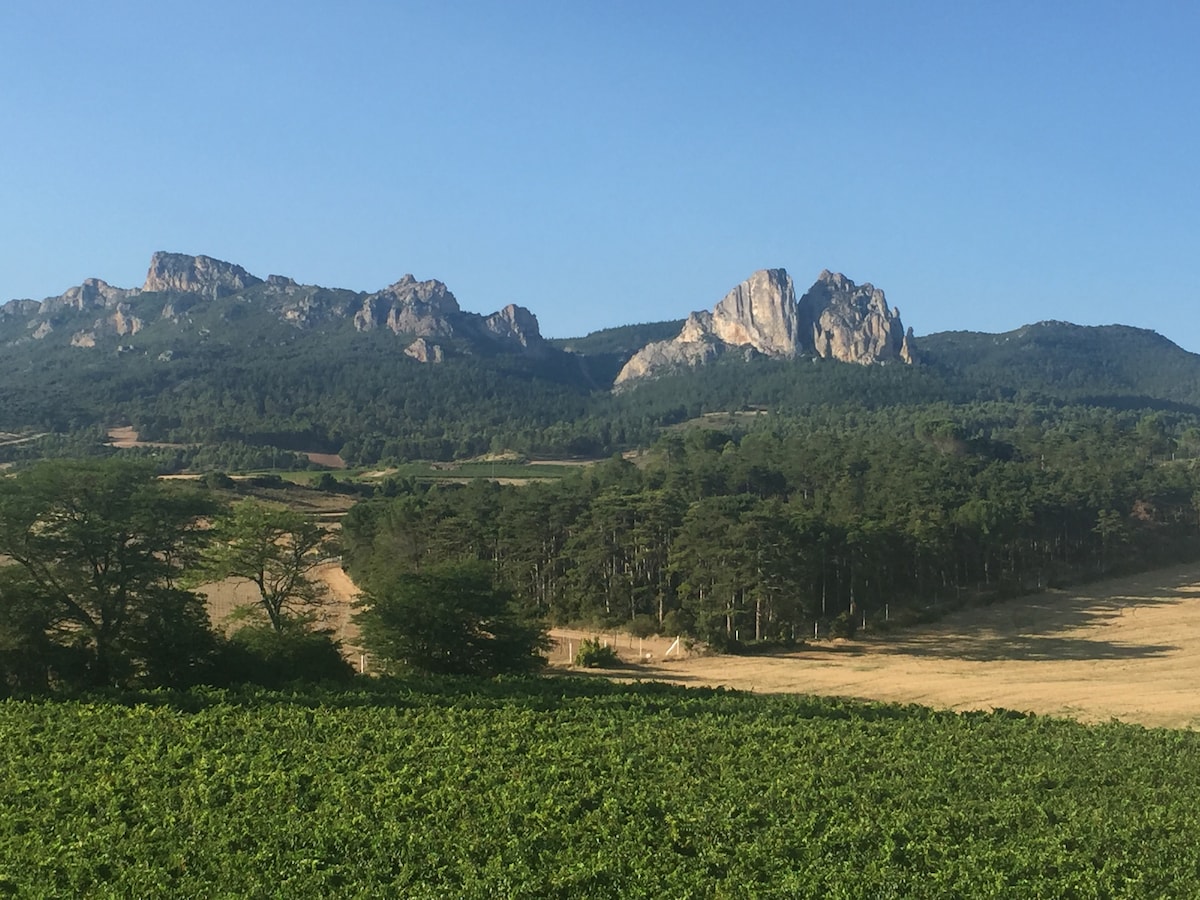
1125, 648
583, 788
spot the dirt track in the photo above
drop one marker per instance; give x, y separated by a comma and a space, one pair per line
1126, 649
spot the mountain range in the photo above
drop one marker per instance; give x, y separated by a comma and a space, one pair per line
204, 350
835, 319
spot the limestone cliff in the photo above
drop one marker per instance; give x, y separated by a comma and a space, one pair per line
515, 324
180, 273
185, 294
851, 322
92, 294
834, 319
420, 308
423, 351
760, 313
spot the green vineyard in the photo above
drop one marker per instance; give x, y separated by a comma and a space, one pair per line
578, 788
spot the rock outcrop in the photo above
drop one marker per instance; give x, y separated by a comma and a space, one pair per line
124, 321
420, 308
514, 324
760, 313
835, 319
92, 294
180, 273
850, 322
695, 346
423, 351
180, 291
757, 315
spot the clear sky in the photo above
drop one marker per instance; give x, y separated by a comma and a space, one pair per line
987, 164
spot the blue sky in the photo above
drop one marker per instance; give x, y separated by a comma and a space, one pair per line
986, 164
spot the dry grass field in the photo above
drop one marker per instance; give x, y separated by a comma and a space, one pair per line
1127, 649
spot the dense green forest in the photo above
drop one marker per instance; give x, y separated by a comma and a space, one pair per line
833, 520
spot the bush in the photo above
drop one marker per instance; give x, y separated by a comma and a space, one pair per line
449, 619
643, 626
594, 655
218, 481
257, 654
677, 622
844, 625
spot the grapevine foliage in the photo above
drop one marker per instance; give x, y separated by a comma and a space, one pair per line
571, 788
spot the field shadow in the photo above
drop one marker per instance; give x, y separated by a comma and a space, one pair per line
1048, 626
992, 647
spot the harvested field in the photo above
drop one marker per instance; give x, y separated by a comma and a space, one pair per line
1127, 649
328, 460
126, 437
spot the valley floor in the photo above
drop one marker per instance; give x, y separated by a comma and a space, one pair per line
1127, 649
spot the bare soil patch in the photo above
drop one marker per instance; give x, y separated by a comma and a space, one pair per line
328, 460
125, 437
335, 614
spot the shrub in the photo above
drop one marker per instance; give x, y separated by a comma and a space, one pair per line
594, 655
643, 626
677, 622
844, 625
258, 654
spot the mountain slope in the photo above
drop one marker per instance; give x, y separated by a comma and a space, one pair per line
206, 352
1103, 365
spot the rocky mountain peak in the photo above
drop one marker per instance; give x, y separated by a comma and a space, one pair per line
759, 313
180, 273
842, 320
514, 323
835, 318
94, 293
419, 308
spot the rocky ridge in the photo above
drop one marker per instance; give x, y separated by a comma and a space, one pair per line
835, 319
211, 298
179, 287
203, 275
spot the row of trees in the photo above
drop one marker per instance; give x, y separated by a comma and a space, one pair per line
763, 536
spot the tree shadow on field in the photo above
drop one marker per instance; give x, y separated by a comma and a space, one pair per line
991, 647
1052, 625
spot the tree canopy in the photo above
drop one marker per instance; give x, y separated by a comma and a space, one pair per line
95, 556
276, 549
449, 619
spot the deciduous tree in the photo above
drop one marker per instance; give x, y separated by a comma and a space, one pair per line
96, 551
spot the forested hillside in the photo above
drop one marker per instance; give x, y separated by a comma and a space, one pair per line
207, 354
